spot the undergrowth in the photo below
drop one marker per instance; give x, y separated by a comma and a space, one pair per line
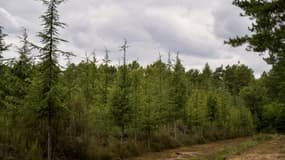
236, 150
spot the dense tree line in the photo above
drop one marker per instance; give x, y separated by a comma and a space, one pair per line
266, 98
95, 110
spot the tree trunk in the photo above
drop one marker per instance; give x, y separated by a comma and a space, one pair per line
168, 128
5, 150
122, 134
136, 136
175, 128
184, 120
49, 142
148, 139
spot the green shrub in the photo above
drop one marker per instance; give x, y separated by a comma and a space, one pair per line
35, 152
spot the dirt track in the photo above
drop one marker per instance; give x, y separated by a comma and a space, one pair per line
270, 150
192, 152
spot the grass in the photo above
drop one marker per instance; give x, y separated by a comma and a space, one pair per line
236, 150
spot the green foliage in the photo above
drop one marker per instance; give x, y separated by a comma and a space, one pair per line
206, 77
35, 152
94, 110
255, 97
273, 117
49, 66
3, 45
267, 36
267, 31
48, 108
177, 95
178, 90
121, 109
236, 77
3, 68
275, 81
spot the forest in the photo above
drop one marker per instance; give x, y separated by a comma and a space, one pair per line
97, 110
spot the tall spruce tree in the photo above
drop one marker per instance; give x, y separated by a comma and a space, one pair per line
206, 77
87, 82
178, 93
3, 47
23, 67
21, 78
50, 104
136, 75
169, 94
160, 70
150, 109
121, 108
106, 77
4, 111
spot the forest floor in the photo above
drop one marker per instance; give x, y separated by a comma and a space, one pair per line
268, 150
193, 151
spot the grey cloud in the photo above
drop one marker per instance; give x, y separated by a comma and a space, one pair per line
7, 20
169, 35
195, 28
228, 23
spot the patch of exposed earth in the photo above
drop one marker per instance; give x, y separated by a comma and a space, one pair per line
192, 152
269, 150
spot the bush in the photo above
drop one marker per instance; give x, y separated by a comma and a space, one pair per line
35, 152
162, 141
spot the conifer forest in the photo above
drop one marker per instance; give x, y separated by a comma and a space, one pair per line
54, 109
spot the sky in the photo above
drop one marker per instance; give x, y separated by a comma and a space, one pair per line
195, 29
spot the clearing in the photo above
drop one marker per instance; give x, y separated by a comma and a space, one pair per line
192, 152
273, 149
269, 150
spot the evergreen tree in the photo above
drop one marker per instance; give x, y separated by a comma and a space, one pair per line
197, 111
94, 75
169, 117
79, 110
150, 110
136, 80
106, 77
22, 69
87, 83
206, 77
50, 103
236, 77
178, 94
160, 78
218, 76
255, 97
212, 108
18, 80
121, 108
268, 31
3, 45
4, 110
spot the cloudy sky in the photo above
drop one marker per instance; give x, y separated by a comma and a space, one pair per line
197, 29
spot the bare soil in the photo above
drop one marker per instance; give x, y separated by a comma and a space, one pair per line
269, 150
192, 152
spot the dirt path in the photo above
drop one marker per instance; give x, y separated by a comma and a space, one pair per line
270, 150
194, 151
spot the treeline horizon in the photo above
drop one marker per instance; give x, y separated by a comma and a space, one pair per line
94, 110
73, 58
